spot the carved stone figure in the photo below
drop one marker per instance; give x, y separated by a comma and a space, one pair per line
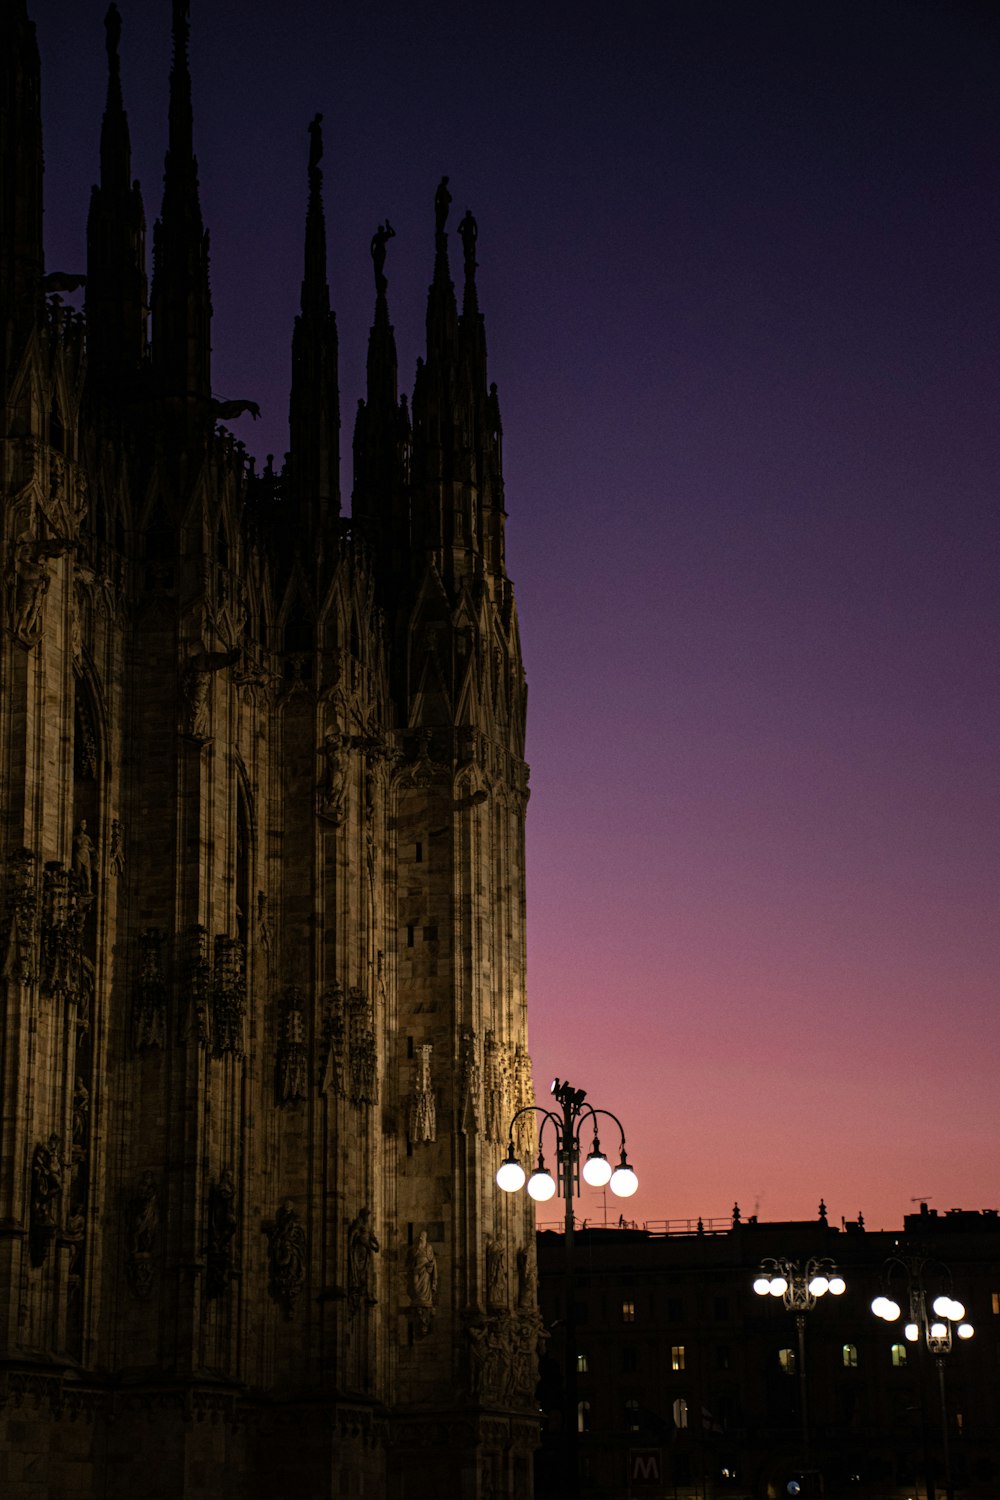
151, 992
472, 1085
287, 1253
525, 1280
81, 1112
222, 1226
442, 203
83, 857
116, 852
383, 234
46, 1189
496, 1273
228, 411
469, 231
362, 1246
142, 1233
333, 788
196, 680
423, 1115
364, 1058
32, 582
422, 1280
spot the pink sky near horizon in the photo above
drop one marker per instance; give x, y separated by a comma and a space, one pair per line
738, 269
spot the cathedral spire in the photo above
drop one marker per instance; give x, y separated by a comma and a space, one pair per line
21, 252
381, 438
182, 308
314, 405
116, 239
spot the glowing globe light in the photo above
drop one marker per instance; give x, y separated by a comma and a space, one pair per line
838, 1286
939, 1330
541, 1186
891, 1310
947, 1307
623, 1181
597, 1169
957, 1310
911, 1333
762, 1286
510, 1177
778, 1287
965, 1330
878, 1306
819, 1286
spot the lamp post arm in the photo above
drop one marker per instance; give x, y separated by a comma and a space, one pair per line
546, 1114
592, 1113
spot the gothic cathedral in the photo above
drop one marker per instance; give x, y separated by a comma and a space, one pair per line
262, 951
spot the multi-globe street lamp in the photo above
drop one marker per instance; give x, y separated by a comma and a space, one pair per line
800, 1287
932, 1330
568, 1128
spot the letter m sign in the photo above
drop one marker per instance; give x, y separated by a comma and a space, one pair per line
643, 1466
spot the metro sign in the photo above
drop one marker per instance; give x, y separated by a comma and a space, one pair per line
644, 1466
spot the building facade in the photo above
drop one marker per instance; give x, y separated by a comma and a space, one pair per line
263, 954
690, 1387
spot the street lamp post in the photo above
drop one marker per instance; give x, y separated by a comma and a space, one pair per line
597, 1172
800, 1288
931, 1330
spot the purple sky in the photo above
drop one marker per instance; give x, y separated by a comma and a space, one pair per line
739, 271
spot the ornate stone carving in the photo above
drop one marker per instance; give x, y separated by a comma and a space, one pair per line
496, 1273
142, 1233
116, 851
287, 1254
196, 1017
19, 930
64, 911
362, 1247
503, 1357
422, 1282
471, 1086
30, 585
150, 1006
333, 783
363, 1055
229, 996
292, 1050
46, 1191
526, 1299
497, 1090
196, 683
331, 1081
524, 1096
423, 1114
222, 1225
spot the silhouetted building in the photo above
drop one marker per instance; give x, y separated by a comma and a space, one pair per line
690, 1384
263, 798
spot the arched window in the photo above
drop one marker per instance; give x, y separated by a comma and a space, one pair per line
898, 1352
786, 1359
850, 1356
680, 1412
581, 1364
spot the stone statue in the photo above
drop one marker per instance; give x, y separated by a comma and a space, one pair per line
143, 1229
222, 1226
362, 1245
442, 203
333, 789
287, 1252
46, 1188
469, 230
195, 682
83, 856
116, 855
496, 1273
383, 234
422, 1280
81, 1111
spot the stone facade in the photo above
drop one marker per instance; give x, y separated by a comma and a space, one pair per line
263, 955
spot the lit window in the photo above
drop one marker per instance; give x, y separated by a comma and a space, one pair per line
996, 1302
583, 1416
677, 1357
581, 1364
850, 1353
628, 1312
786, 1359
631, 1416
899, 1355
680, 1412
